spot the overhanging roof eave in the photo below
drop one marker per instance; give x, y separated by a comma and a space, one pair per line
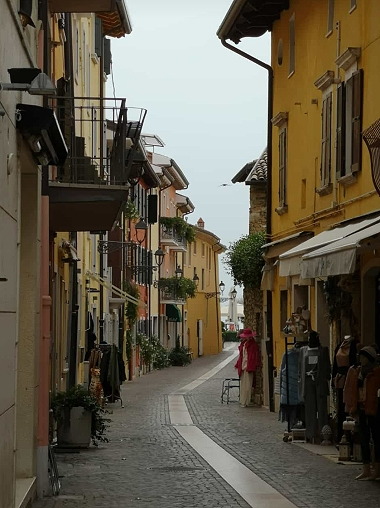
230, 19
244, 20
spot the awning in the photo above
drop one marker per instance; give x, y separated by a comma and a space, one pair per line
291, 260
274, 249
173, 313
116, 22
339, 258
114, 289
267, 279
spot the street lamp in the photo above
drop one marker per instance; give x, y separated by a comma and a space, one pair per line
233, 294
178, 272
196, 279
141, 226
159, 256
221, 287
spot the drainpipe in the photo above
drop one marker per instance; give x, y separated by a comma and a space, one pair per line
269, 69
73, 348
46, 300
159, 243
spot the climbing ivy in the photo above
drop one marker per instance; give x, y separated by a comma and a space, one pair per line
244, 260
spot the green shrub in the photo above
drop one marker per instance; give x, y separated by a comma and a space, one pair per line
160, 355
230, 336
244, 260
179, 356
79, 397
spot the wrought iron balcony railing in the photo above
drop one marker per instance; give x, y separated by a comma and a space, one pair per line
102, 135
170, 296
169, 236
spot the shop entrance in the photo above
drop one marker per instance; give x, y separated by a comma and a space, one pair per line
371, 307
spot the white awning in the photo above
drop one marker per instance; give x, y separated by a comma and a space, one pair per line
291, 260
339, 258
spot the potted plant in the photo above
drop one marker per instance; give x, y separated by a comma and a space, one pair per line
179, 226
79, 418
181, 288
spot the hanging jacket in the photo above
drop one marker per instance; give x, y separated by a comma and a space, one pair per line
322, 372
371, 386
293, 358
253, 356
341, 371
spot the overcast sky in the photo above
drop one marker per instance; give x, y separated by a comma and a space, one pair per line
206, 103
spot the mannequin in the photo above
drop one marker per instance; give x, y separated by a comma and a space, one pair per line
247, 364
360, 397
344, 357
314, 377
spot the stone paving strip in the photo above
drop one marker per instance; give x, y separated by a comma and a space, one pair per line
253, 436
203, 456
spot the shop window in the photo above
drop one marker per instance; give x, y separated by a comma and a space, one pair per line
301, 297
292, 45
326, 141
282, 146
349, 126
330, 17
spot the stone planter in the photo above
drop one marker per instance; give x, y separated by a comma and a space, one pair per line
75, 429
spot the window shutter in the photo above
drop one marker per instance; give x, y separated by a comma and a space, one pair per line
340, 135
152, 208
328, 139
282, 168
98, 37
323, 155
150, 271
357, 115
107, 57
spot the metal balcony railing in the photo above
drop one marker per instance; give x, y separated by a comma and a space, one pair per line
170, 296
170, 235
102, 136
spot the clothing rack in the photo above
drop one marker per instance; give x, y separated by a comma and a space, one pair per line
112, 397
288, 344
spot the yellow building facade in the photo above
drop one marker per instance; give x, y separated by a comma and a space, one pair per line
202, 321
323, 211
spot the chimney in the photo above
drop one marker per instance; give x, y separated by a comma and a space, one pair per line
201, 223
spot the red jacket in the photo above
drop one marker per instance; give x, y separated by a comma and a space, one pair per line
253, 352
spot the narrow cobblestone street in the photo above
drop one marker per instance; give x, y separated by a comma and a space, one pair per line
148, 463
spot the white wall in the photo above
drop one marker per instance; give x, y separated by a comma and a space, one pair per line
15, 46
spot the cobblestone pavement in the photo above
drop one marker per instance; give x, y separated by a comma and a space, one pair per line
254, 436
147, 463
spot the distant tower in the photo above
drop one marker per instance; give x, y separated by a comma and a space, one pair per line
201, 223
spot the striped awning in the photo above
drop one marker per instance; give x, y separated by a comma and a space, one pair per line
371, 137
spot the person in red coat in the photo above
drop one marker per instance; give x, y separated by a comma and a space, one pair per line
247, 364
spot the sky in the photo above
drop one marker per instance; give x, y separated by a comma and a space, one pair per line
206, 103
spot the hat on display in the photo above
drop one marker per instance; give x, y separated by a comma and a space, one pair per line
369, 352
247, 333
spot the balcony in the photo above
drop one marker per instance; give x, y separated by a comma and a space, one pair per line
170, 238
176, 290
113, 13
88, 191
170, 296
